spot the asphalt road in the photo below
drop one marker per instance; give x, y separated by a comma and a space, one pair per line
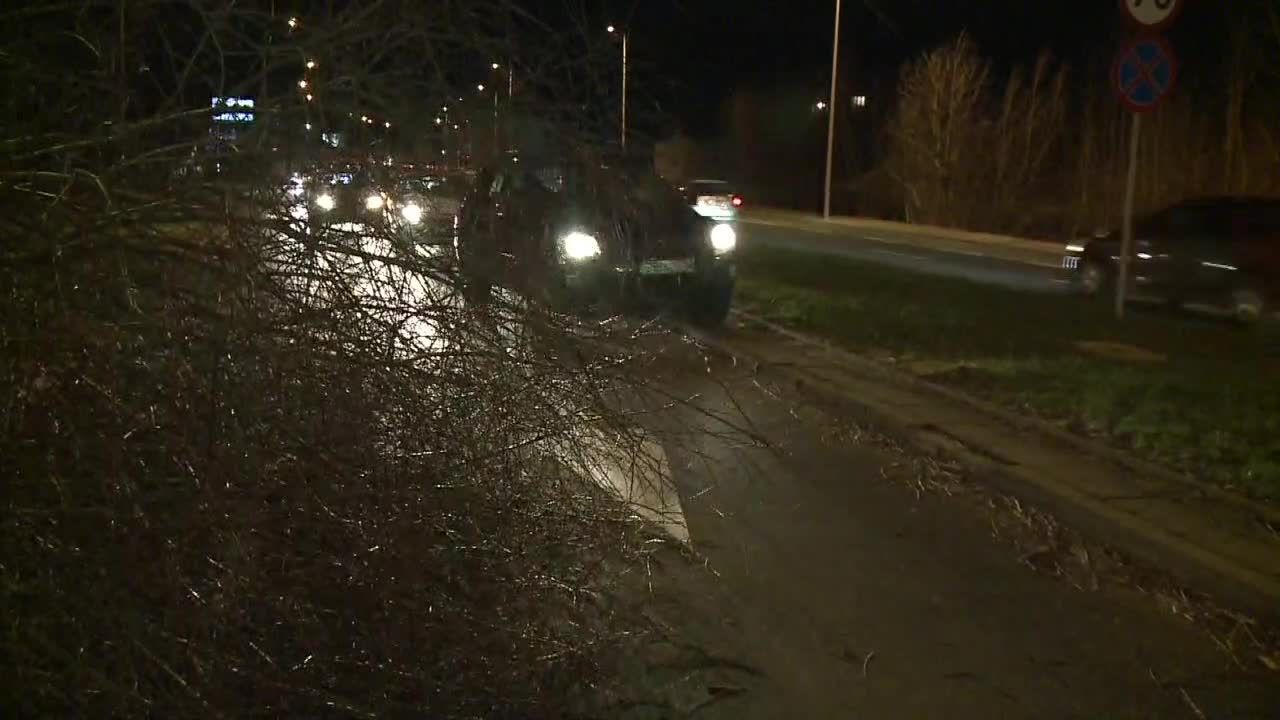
837, 592
894, 252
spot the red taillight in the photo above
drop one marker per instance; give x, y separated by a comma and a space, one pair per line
737, 201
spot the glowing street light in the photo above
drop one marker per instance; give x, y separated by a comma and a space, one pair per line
821, 105
364, 118
308, 97
302, 84
495, 66
311, 64
439, 121
293, 22
480, 87
386, 125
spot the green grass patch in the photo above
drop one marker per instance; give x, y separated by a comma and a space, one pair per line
1198, 394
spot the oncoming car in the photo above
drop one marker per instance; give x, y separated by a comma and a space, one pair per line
352, 200
588, 236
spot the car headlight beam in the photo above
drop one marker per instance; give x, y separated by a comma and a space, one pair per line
326, 202
723, 238
579, 246
412, 213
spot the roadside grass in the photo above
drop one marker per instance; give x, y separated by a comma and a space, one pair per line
1198, 394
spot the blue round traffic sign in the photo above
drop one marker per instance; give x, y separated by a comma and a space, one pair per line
1145, 72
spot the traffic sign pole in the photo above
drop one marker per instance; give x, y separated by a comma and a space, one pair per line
1144, 75
1126, 235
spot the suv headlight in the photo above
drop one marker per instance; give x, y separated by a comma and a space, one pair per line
723, 238
412, 213
579, 246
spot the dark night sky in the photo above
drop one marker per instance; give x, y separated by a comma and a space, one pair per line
693, 53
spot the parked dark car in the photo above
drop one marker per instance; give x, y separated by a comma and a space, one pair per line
586, 235
1223, 252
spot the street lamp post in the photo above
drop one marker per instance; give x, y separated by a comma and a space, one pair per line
623, 136
831, 117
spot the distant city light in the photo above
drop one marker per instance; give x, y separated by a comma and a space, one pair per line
480, 87
611, 29
308, 97
311, 64
302, 84
495, 66
293, 22
308, 126
821, 105
386, 125
439, 121
859, 100
364, 118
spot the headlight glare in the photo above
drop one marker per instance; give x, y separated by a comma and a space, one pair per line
723, 238
374, 202
326, 202
578, 245
412, 213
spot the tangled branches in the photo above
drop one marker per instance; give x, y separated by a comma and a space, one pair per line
258, 468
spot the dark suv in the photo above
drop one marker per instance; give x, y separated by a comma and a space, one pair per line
1218, 251
589, 235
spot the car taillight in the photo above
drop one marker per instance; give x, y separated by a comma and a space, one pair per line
737, 201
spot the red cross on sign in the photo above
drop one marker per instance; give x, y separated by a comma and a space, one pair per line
1145, 73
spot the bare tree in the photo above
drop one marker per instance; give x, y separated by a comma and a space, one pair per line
255, 467
939, 121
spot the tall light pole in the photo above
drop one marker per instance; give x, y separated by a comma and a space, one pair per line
497, 67
831, 117
623, 138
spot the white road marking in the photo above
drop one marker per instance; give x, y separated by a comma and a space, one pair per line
899, 254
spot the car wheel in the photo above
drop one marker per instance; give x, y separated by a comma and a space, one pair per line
1247, 304
710, 304
1095, 279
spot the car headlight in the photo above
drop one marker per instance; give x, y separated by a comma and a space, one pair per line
326, 202
412, 213
374, 202
579, 246
723, 238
